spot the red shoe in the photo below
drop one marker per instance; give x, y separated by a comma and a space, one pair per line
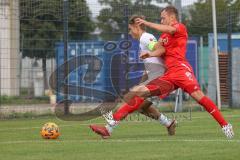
102, 131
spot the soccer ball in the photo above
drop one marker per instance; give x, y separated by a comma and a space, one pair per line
50, 131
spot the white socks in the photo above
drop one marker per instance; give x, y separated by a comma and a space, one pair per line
111, 125
164, 120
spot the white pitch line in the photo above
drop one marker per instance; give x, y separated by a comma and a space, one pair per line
120, 141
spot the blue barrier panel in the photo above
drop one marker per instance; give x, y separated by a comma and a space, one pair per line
117, 58
80, 77
223, 41
192, 55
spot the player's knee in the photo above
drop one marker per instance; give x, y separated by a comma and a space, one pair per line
197, 95
140, 91
135, 89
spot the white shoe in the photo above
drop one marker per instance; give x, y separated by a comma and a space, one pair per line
108, 116
228, 131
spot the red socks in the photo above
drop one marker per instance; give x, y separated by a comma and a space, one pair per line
127, 108
132, 106
213, 110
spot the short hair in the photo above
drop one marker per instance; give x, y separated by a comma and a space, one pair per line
134, 17
171, 10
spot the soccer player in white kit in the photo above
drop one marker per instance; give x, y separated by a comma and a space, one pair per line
154, 67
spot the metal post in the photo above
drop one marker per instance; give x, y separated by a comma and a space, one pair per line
216, 52
178, 5
65, 39
178, 101
179, 93
0, 70
20, 60
201, 62
126, 38
229, 30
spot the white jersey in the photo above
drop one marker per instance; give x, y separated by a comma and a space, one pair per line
154, 66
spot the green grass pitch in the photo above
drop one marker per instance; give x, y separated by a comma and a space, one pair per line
200, 138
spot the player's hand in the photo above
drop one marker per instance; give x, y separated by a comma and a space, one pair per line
140, 21
144, 55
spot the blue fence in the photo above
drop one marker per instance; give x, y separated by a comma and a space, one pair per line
120, 68
223, 41
192, 55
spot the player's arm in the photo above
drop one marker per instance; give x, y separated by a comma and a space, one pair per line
158, 27
152, 45
156, 53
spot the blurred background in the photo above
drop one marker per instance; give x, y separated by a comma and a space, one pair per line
37, 37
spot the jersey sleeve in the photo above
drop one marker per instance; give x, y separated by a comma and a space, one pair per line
149, 41
180, 28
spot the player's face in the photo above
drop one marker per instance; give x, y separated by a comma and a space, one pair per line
134, 31
165, 18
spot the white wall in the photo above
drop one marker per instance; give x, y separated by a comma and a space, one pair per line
9, 47
236, 77
28, 72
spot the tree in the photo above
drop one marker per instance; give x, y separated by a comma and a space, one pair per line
80, 22
200, 20
112, 20
42, 26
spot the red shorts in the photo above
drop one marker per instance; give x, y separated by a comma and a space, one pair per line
181, 76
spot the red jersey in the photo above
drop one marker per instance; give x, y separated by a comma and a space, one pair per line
175, 45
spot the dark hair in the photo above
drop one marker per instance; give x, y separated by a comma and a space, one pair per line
171, 10
134, 17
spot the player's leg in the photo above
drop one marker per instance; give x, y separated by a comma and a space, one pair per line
145, 108
157, 87
186, 80
137, 94
149, 110
133, 100
211, 108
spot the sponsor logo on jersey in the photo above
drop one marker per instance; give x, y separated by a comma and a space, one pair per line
189, 75
164, 40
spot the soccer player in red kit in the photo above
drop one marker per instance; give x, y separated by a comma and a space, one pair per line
179, 73
154, 67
